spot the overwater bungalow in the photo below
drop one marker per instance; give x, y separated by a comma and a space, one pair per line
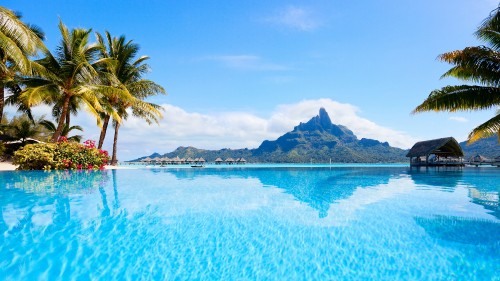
146, 160
218, 161
478, 160
241, 161
437, 152
229, 161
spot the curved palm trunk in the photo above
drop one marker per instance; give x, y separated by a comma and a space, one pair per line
114, 161
68, 118
103, 131
60, 125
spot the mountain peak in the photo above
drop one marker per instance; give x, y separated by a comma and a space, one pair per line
324, 119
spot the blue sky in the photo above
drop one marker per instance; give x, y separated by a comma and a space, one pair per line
239, 72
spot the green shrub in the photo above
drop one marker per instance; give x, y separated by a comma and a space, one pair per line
62, 155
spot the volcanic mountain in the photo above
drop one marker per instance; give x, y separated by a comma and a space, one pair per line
318, 141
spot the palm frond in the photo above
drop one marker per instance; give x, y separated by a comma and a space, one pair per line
487, 129
460, 98
476, 64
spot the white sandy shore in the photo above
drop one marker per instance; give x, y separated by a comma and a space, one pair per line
8, 166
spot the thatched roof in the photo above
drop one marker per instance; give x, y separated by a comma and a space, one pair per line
441, 147
229, 159
201, 159
218, 160
147, 159
242, 160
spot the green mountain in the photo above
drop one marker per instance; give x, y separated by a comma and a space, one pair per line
488, 147
317, 141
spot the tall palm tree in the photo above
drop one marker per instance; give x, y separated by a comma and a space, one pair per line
18, 41
126, 76
479, 65
67, 79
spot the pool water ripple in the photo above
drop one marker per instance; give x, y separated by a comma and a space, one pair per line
294, 223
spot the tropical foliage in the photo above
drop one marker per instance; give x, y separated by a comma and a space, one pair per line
125, 75
479, 65
18, 41
104, 78
62, 155
51, 127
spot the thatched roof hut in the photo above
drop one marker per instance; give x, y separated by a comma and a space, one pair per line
229, 160
201, 160
241, 160
218, 161
446, 152
147, 159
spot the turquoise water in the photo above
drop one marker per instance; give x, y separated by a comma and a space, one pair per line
248, 223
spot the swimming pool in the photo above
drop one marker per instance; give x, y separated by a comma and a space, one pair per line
270, 223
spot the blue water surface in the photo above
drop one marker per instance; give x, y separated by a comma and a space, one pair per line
304, 222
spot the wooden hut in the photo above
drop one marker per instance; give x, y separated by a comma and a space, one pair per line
218, 161
229, 161
241, 161
437, 152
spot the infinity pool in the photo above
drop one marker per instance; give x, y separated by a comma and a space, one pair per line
272, 223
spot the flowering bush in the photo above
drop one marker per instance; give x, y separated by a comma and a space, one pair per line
62, 155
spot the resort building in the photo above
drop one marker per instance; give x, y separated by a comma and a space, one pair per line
437, 152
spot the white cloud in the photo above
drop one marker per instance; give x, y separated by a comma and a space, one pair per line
297, 18
459, 119
241, 129
246, 62
229, 129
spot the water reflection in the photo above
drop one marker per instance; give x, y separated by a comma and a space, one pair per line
462, 230
482, 183
183, 221
318, 187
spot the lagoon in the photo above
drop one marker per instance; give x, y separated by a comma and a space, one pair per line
270, 222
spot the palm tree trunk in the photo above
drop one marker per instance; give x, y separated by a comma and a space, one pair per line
68, 118
114, 162
60, 125
103, 131
2, 100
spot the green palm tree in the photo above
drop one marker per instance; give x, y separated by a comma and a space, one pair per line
67, 79
126, 76
18, 41
479, 65
51, 127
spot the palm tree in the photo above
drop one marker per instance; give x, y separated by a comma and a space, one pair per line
18, 41
51, 127
24, 130
126, 76
480, 65
67, 79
